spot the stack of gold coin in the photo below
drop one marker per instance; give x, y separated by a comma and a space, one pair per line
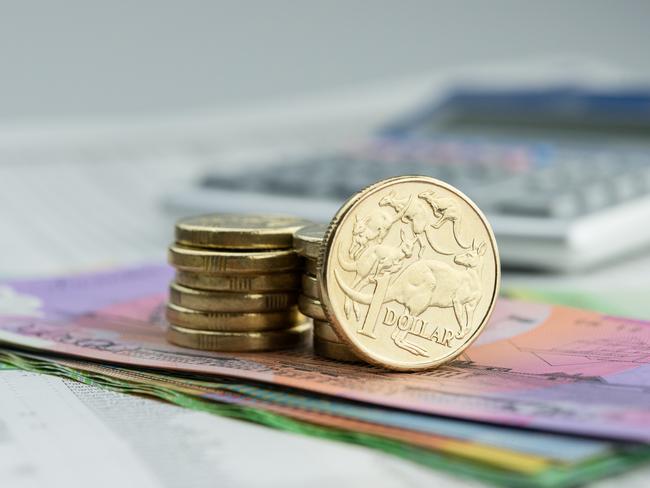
307, 242
236, 285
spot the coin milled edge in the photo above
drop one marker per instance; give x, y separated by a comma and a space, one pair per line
239, 238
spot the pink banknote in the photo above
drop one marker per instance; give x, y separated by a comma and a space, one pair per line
535, 366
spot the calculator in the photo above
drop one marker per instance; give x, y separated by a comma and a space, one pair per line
562, 174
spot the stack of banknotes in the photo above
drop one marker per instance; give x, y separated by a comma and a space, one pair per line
547, 396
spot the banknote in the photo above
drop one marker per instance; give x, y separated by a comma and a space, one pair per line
267, 411
501, 441
626, 302
525, 472
593, 291
537, 366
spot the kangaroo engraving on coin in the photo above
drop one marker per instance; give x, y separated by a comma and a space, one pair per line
409, 273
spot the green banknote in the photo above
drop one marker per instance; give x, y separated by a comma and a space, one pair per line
624, 303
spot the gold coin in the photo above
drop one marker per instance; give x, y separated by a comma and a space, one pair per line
307, 240
311, 267
323, 330
240, 282
409, 273
310, 286
230, 231
239, 341
311, 307
226, 301
334, 350
229, 262
233, 321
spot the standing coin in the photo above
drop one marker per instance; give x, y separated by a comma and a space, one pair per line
229, 231
409, 273
239, 282
239, 341
307, 240
310, 286
225, 301
233, 321
229, 262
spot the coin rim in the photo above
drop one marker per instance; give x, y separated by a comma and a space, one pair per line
308, 284
306, 304
329, 237
228, 301
299, 333
260, 283
233, 321
341, 351
310, 264
323, 324
234, 262
308, 247
239, 238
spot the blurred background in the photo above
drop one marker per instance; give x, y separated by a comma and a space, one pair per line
78, 59
115, 119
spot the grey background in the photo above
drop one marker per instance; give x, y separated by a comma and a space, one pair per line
79, 58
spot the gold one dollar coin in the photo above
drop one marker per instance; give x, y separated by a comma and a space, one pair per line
311, 307
233, 321
334, 350
239, 282
230, 231
239, 341
310, 286
231, 262
323, 330
409, 273
311, 267
307, 240
225, 301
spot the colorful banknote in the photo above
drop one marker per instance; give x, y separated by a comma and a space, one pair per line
469, 459
501, 441
625, 302
537, 366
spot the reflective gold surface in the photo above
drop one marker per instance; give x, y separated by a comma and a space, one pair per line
325, 331
230, 231
310, 286
311, 307
240, 282
225, 301
335, 351
233, 321
239, 341
231, 262
307, 240
409, 273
